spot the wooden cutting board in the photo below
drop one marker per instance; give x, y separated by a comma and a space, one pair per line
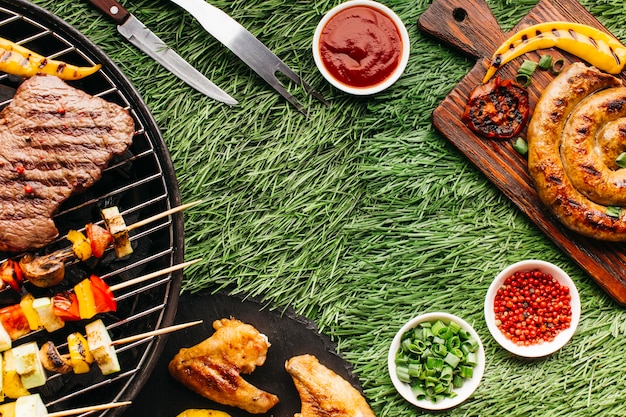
470, 26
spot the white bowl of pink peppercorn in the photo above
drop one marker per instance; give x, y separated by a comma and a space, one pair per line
532, 308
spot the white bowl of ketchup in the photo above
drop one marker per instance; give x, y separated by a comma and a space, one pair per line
361, 47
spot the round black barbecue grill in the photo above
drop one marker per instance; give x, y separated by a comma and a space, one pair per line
141, 183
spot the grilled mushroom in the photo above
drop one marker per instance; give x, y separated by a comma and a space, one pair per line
47, 270
52, 360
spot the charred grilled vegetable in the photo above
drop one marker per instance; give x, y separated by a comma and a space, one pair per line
80, 245
596, 47
28, 365
117, 227
102, 348
21, 61
11, 274
498, 109
52, 360
80, 354
12, 386
45, 271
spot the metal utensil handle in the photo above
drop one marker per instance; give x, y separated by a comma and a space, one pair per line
113, 9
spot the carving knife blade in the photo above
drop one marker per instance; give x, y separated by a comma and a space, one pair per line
149, 43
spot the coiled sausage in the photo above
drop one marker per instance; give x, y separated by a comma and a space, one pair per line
573, 135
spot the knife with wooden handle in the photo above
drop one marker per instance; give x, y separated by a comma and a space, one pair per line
149, 43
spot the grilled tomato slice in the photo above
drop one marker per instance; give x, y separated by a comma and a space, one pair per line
497, 109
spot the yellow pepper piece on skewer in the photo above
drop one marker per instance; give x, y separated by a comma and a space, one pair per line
26, 303
86, 301
80, 355
80, 245
18, 60
596, 47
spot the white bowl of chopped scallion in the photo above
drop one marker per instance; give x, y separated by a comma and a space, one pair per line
436, 361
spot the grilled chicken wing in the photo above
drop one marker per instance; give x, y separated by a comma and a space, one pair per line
212, 368
324, 393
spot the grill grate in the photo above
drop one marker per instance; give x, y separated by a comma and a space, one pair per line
141, 183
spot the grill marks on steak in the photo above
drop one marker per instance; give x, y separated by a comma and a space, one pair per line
55, 140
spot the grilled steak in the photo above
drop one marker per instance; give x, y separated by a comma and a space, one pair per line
55, 141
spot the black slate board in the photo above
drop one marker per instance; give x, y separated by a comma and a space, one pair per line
289, 334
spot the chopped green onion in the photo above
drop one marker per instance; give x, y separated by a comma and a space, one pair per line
415, 370
557, 66
453, 343
467, 371
457, 381
525, 72
613, 211
523, 80
544, 62
621, 160
440, 349
434, 363
437, 326
451, 359
435, 358
527, 67
445, 333
454, 327
403, 374
464, 334
417, 347
521, 146
471, 359
419, 392
447, 374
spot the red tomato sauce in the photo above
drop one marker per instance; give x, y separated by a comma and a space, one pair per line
360, 46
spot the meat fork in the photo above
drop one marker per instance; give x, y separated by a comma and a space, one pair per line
248, 48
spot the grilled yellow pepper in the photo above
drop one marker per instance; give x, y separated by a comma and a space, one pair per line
598, 48
86, 301
12, 386
80, 244
31, 315
80, 355
17, 60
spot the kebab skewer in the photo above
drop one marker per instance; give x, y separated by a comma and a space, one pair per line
89, 297
25, 366
45, 271
33, 406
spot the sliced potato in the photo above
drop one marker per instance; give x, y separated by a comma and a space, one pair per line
5, 340
45, 310
30, 406
116, 225
28, 365
101, 347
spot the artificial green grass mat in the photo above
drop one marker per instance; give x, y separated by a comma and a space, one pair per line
362, 215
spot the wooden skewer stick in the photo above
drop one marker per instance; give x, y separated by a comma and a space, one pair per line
152, 275
160, 215
154, 333
81, 410
140, 336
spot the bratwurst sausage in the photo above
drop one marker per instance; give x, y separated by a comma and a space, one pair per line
574, 136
